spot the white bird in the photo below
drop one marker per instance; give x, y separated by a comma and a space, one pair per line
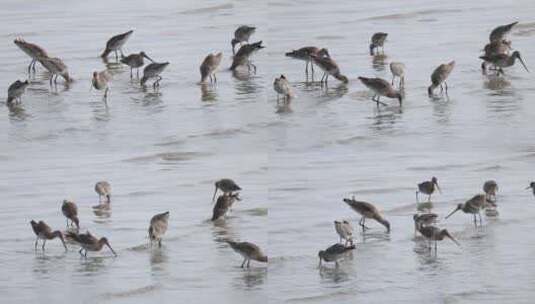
345, 231
398, 70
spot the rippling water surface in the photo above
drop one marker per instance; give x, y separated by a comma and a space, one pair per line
163, 151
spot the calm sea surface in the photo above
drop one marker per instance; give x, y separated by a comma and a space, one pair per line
163, 151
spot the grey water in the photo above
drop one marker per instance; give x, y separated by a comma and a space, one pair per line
295, 162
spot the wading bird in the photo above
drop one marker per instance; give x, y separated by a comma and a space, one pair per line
381, 87
158, 227
243, 55
89, 243
209, 67
15, 91
398, 70
223, 205
439, 76
44, 232
103, 189
424, 219
153, 70
115, 44
70, 211
472, 206
282, 87
101, 81
329, 67
135, 61
432, 233
501, 61
248, 251
344, 231
367, 210
428, 187
377, 41
490, 188
499, 33
56, 67
305, 54
226, 185
242, 35
32, 50
334, 253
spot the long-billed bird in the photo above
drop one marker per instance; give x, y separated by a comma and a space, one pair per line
334, 253
367, 210
472, 206
241, 35
381, 87
209, 67
44, 232
428, 187
70, 211
439, 76
248, 251
115, 44
88, 242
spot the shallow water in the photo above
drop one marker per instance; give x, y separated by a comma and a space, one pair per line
163, 151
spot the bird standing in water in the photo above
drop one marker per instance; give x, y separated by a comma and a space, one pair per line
329, 67
226, 185
158, 227
490, 188
472, 206
439, 76
344, 231
44, 232
15, 91
248, 251
398, 70
32, 50
305, 54
101, 81
241, 35
381, 87
499, 33
103, 189
334, 253
243, 55
70, 211
367, 210
428, 187
115, 44
135, 61
432, 233
223, 205
501, 61
209, 67
153, 70
282, 87
56, 67
377, 41
424, 219
89, 243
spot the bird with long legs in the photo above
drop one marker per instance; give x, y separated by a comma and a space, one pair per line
329, 68
501, 61
158, 227
135, 61
381, 87
439, 76
398, 70
424, 219
243, 56
115, 44
472, 206
223, 205
32, 50
282, 87
377, 41
44, 232
100, 81
88, 242
153, 70
334, 253
209, 67
248, 251
428, 187
103, 189
490, 188
305, 54
435, 234
70, 211
367, 210
56, 67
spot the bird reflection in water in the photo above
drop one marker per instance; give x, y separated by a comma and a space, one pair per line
379, 62
252, 277
498, 85
208, 92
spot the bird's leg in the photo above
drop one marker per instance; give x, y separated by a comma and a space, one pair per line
121, 50
80, 251
475, 220
116, 57
36, 242
30, 66
336, 264
480, 220
51, 76
429, 198
248, 263
242, 264
131, 72
44, 242
160, 243
436, 247
306, 67
393, 77
402, 82
137, 72
85, 253
446, 87
215, 78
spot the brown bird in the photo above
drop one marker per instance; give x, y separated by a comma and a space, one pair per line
101, 81
334, 253
381, 87
115, 44
209, 66
428, 187
32, 50
158, 227
15, 91
432, 233
223, 205
243, 55
44, 232
241, 35
70, 210
248, 251
56, 67
305, 54
439, 76
226, 185
135, 61
490, 188
378, 40
495, 48
424, 219
501, 31
89, 243
103, 189
153, 70
329, 67
472, 206
501, 61
367, 210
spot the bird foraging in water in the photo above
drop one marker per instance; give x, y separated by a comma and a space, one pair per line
103, 189
424, 219
56, 67
153, 70
44, 232
495, 48
158, 227
89, 243
282, 87
398, 70
344, 231
499, 33
367, 210
115, 44
334, 253
32, 50
501, 61
70, 211
248, 251
243, 55
241, 35
223, 205
135, 61
15, 91
472, 206
439, 76
490, 188
432, 233
378, 40
428, 187
381, 87
226, 185
209, 67
305, 54
101, 81
329, 67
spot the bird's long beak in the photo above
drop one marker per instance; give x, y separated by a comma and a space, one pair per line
457, 209
113, 251
146, 56
438, 188
453, 239
215, 192
523, 64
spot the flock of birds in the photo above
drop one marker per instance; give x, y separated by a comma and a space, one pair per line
497, 57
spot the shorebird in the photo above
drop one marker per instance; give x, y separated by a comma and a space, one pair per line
381, 87
398, 70
305, 54
248, 251
153, 70
367, 210
428, 187
70, 210
56, 67
490, 188
241, 35
472, 206
103, 189
501, 31
32, 50
89, 243
329, 67
378, 40
501, 61
243, 55
100, 81
135, 61
495, 48
223, 205
532, 187
432, 233
209, 67
334, 253
15, 91
158, 227
282, 87
439, 76
227, 186
115, 44
44, 232
424, 219
345, 231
